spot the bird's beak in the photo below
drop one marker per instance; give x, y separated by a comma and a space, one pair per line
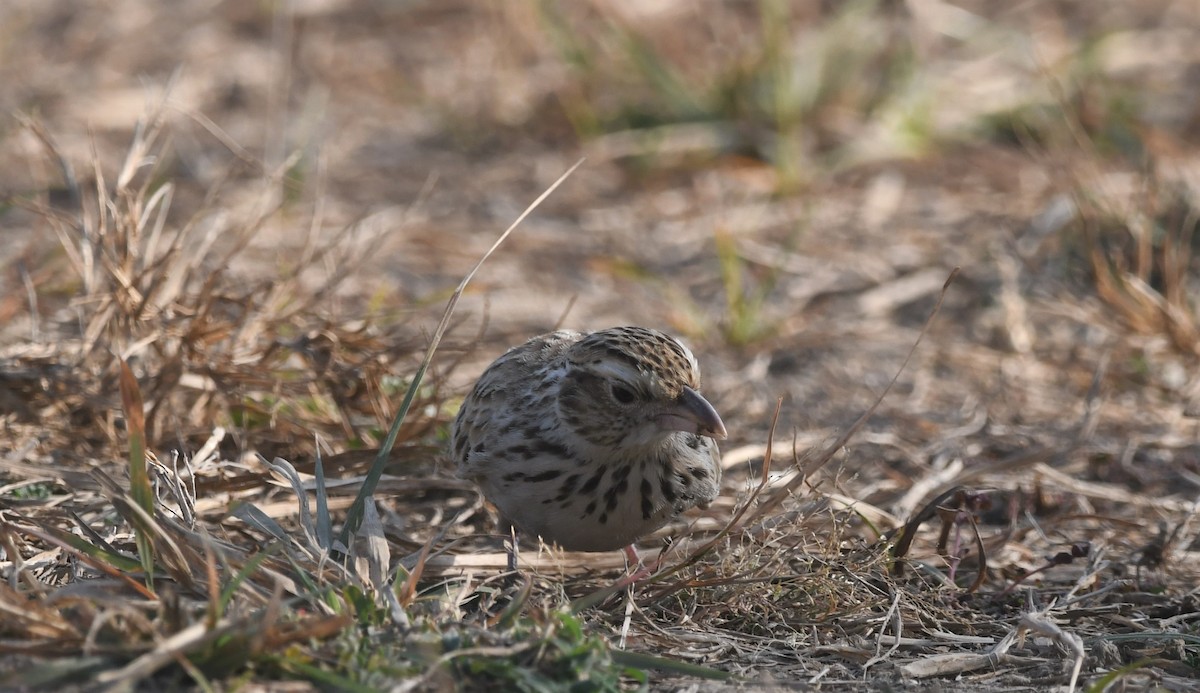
691, 413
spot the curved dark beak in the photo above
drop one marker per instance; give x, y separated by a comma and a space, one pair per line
691, 413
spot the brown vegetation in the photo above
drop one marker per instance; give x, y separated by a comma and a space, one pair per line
230, 230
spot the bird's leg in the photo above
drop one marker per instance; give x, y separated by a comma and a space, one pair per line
631, 555
640, 571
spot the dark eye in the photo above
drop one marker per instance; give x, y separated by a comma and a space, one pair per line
622, 394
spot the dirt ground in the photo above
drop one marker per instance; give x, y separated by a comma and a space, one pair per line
785, 186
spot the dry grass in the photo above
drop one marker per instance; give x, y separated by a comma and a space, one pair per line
259, 259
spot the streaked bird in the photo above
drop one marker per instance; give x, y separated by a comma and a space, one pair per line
593, 440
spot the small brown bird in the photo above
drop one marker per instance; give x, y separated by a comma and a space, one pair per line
591, 441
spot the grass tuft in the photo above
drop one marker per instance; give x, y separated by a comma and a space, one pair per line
1144, 264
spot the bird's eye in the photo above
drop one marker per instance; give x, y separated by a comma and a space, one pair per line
622, 394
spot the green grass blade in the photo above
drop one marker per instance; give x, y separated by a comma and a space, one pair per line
640, 660
355, 514
139, 476
319, 675
253, 516
109, 558
247, 570
58, 672
324, 523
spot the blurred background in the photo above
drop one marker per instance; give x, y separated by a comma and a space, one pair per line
264, 207
784, 184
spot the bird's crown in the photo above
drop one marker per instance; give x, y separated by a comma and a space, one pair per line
638, 353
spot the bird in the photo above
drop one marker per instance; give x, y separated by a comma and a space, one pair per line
591, 440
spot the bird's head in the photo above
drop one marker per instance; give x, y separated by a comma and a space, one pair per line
634, 387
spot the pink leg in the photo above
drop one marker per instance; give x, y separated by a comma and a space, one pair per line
640, 571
